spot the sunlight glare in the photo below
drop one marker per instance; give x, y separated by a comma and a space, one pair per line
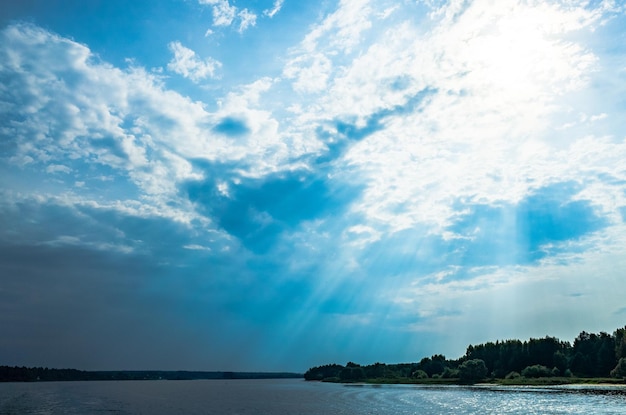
515, 56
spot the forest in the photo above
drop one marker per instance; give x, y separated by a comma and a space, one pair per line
591, 355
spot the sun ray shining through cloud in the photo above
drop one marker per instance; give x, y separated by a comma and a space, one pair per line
272, 185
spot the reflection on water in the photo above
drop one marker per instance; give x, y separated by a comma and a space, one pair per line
289, 396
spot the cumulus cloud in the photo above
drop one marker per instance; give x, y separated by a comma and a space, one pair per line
485, 122
186, 63
95, 121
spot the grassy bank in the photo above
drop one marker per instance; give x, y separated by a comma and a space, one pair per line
521, 381
559, 381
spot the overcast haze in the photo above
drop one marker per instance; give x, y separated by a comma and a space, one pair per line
274, 185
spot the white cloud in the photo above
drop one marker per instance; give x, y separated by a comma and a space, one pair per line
310, 72
337, 34
196, 247
21, 160
247, 19
223, 12
342, 29
68, 240
278, 4
361, 235
485, 133
498, 76
90, 120
388, 11
186, 63
58, 168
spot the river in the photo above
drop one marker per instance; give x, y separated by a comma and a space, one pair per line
294, 396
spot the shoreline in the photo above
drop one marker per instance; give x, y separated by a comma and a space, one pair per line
547, 382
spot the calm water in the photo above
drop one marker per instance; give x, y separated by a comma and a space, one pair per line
293, 396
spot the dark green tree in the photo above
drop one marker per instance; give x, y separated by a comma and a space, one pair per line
433, 365
620, 370
536, 371
473, 370
620, 343
376, 371
323, 372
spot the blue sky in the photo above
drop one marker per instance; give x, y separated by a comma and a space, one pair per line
274, 185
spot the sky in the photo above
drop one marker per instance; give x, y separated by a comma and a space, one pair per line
271, 185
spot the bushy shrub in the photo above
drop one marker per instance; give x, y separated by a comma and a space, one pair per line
420, 374
450, 373
536, 371
568, 373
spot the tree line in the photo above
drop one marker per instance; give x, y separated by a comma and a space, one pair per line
41, 374
589, 356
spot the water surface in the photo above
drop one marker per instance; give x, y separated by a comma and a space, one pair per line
294, 396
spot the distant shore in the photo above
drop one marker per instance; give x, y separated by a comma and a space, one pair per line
40, 374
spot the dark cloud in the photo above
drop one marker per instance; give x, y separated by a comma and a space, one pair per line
158, 306
72, 307
83, 305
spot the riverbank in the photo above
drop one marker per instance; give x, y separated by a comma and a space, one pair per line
547, 381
